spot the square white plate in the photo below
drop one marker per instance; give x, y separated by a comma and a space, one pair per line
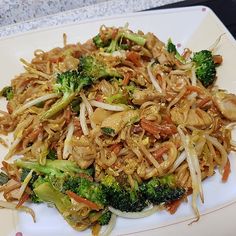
194, 27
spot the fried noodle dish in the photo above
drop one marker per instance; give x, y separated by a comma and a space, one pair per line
121, 125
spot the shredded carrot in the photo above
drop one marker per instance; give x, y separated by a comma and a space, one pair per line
159, 152
22, 200
203, 101
116, 148
173, 206
158, 129
134, 57
191, 88
226, 172
79, 199
126, 79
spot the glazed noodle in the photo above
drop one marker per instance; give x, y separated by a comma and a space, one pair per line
120, 125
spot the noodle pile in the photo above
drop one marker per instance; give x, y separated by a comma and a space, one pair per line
156, 119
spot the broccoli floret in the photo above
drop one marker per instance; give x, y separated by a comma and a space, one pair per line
205, 67
161, 190
99, 42
171, 48
69, 84
112, 44
104, 219
123, 199
3, 178
7, 92
96, 69
86, 189
53, 167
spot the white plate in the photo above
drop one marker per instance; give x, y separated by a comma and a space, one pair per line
195, 27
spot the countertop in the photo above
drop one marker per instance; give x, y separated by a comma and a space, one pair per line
17, 16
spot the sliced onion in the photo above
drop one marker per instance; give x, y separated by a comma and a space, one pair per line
12, 148
220, 148
89, 109
12, 206
35, 101
110, 226
150, 158
24, 184
194, 168
67, 145
135, 215
193, 76
178, 161
82, 118
107, 106
152, 78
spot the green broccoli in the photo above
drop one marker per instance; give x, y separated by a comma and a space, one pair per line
161, 190
99, 42
86, 189
122, 198
7, 92
3, 178
96, 69
205, 67
69, 84
171, 48
53, 167
104, 219
114, 44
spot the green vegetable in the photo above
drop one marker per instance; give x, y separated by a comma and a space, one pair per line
47, 193
3, 178
118, 98
161, 190
108, 131
7, 92
104, 219
122, 198
52, 154
114, 44
69, 84
75, 106
53, 167
99, 42
96, 69
171, 48
86, 189
205, 67
24, 173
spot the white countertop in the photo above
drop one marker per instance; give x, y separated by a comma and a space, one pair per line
17, 16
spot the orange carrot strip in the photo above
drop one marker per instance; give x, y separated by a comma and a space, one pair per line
22, 200
226, 172
134, 57
116, 148
79, 199
173, 206
159, 152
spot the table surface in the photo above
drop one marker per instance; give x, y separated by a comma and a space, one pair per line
224, 9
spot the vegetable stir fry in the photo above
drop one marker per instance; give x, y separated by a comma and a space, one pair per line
122, 124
